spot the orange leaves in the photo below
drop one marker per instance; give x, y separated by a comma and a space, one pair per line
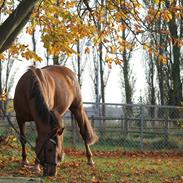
87, 50
138, 31
121, 27
2, 57
154, 14
120, 15
29, 30
167, 15
155, 52
111, 60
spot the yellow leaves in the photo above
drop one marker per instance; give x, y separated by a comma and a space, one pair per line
113, 49
156, 14
3, 96
159, 2
110, 60
70, 4
16, 49
52, 1
124, 44
163, 59
2, 57
31, 55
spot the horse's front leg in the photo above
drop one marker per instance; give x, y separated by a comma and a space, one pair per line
37, 161
89, 155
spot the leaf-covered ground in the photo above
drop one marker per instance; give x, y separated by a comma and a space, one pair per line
109, 166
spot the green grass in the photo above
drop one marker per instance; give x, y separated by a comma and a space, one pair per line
109, 166
121, 169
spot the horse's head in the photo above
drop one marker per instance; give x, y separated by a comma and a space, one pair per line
50, 150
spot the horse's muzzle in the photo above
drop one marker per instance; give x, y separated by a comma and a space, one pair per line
50, 170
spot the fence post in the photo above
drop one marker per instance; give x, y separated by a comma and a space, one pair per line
125, 125
122, 126
141, 127
166, 131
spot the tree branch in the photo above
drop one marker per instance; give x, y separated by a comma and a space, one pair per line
2, 5
15, 22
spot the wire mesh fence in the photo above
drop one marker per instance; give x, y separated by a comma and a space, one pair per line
119, 126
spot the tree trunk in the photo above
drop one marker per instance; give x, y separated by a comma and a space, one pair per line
55, 60
34, 44
15, 22
177, 85
128, 89
79, 63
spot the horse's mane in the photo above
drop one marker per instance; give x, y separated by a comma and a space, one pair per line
36, 93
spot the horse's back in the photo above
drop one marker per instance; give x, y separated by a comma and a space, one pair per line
67, 91
58, 85
61, 72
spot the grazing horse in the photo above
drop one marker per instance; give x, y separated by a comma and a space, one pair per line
44, 95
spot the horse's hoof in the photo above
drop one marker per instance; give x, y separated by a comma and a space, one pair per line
63, 157
91, 163
37, 169
24, 163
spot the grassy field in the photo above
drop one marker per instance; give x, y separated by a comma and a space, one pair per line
110, 166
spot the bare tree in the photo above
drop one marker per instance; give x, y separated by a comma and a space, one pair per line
79, 61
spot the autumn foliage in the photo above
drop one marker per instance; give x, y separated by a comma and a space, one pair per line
116, 29
62, 23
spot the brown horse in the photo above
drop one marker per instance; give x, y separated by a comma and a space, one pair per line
44, 95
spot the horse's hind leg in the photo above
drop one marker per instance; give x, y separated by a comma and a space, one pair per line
21, 125
86, 130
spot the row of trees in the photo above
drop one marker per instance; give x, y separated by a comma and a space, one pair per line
108, 32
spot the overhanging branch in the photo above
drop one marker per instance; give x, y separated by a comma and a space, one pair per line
15, 22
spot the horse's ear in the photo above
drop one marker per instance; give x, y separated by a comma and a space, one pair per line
60, 131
